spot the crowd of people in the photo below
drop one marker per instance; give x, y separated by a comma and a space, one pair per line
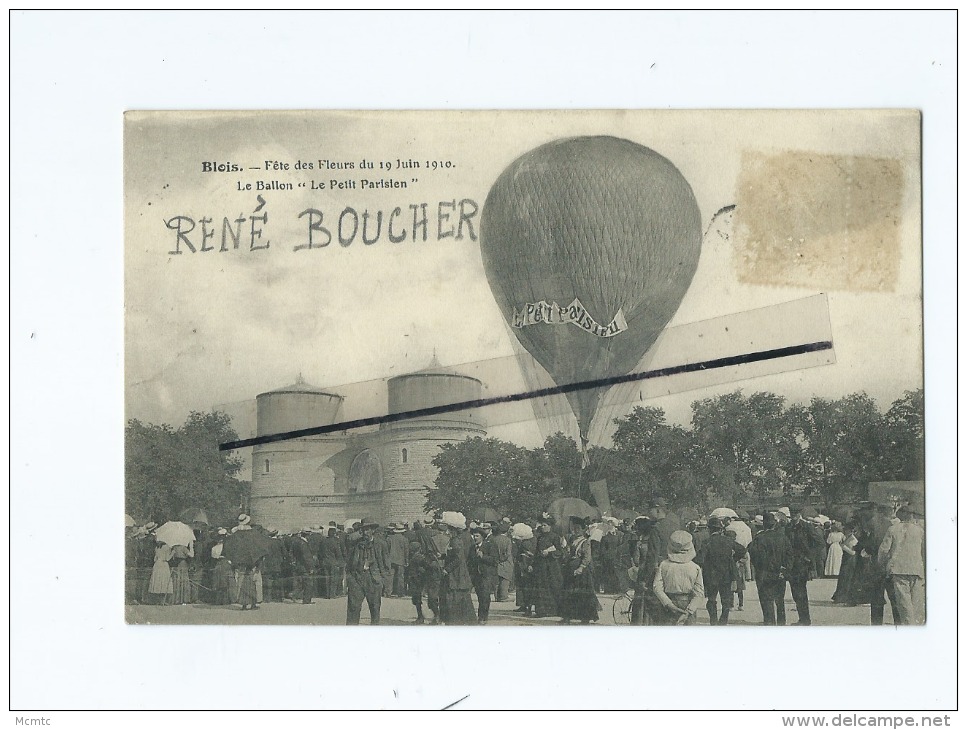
553, 568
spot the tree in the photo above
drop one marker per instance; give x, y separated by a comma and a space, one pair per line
169, 470
493, 473
903, 447
843, 446
650, 459
562, 464
747, 445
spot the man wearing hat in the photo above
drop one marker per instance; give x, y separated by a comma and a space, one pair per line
770, 553
803, 542
272, 569
342, 552
305, 564
901, 556
483, 570
647, 552
398, 558
665, 522
505, 559
366, 567
717, 560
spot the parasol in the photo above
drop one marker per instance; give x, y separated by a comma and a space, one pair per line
482, 513
743, 533
245, 547
809, 512
194, 515
129, 521
563, 508
175, 533
724, 512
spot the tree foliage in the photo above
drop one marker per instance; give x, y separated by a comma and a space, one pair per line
904, 455
649, 458
843, 446
168, 470
738, 448
494, 473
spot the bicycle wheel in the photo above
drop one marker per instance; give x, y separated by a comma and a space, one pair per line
622, 610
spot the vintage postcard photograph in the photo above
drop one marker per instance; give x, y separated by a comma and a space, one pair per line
524, 368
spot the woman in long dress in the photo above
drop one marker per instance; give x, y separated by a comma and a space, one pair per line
456, 604
846, 569
223, 575
180, 584
580, 601
834, 555
525, 545
547, 571
160, 586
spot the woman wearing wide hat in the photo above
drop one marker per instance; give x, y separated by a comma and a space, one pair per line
547, 580
457, 606
579, 601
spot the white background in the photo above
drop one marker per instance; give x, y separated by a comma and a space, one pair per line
74, 74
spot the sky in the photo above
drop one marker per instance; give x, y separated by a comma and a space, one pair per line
838, 189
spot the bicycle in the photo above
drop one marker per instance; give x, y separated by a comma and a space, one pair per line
621, 608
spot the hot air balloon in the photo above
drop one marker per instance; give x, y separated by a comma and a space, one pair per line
589, 245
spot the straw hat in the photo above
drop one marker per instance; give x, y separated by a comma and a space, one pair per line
681, 549
455, 520
244, 519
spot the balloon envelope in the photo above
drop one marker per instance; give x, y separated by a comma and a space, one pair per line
600, 223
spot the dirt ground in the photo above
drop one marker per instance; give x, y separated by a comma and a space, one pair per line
400, 612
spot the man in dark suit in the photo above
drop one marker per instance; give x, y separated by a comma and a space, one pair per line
272, 569
483, 570
328, 552
804, 537
505, 564
717, 560
343, 553
769, 552
665, 523
366, 567
304, 558
399, 548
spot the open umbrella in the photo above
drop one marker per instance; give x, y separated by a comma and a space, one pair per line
563, 508
245, 547
194, 515
623, 514
809, 512
482, 513
175, 533
129, 521
724, 512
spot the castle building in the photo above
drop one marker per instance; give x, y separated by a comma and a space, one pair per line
379, 473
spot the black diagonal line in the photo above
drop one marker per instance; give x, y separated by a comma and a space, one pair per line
722, 362
453, 704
